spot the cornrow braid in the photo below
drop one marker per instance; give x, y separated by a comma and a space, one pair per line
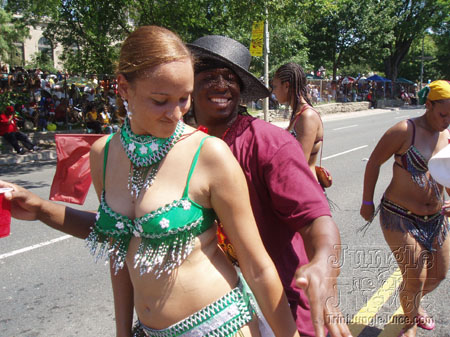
293, 74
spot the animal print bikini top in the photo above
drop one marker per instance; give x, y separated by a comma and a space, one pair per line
167, 234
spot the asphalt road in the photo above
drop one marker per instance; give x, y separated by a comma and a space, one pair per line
51, 287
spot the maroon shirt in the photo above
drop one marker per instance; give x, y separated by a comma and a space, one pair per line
284, 195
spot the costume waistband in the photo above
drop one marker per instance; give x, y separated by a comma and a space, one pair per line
424, 228
224, 317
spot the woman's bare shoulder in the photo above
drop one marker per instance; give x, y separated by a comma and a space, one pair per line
98, 146
402, 128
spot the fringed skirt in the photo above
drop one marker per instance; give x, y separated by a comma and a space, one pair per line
425, 229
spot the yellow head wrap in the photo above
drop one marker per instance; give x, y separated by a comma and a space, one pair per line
435, 91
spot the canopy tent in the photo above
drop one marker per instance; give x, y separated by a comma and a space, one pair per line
404, 81
380, 79
377, 78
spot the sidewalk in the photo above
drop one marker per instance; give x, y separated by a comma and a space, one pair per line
45, 140
14, 159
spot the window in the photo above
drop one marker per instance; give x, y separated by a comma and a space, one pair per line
45, 47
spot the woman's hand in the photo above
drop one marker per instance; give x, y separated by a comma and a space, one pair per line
25, 205
367, 211
446, 208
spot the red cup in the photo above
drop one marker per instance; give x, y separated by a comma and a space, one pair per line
5, 213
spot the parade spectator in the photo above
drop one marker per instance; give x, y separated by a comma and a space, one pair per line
10, 132
74, 94
289, 85
287, 202
149, 243
105, 119
4, 78
43, 81
92, 119
314, 94
29, 113
412, 217
61, 111
112, 100
90, 94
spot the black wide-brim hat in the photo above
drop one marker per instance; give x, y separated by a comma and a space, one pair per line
234, 55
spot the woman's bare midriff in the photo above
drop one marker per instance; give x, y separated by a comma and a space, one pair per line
198, 282
406, 193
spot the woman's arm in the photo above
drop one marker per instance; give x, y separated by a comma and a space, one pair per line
26, 205
230, 200
123, 300
389, 144
121, 282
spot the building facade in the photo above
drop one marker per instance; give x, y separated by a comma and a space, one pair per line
34, 44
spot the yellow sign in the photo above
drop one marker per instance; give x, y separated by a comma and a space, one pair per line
256, 46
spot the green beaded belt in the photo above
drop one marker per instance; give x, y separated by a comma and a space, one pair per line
222, 318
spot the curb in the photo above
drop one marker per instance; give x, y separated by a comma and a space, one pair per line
13, 159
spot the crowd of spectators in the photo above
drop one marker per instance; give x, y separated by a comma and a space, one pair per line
349, 89
46, 101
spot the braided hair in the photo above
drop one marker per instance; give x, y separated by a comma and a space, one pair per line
293, 74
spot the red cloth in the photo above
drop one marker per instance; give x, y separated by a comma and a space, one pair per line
73, 175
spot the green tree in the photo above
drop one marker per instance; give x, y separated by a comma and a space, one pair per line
345, 31
43, 61
412, 18
442, 42
12, 31
88, 30
410, 67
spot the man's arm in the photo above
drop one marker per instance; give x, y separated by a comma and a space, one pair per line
319, 277
301, 204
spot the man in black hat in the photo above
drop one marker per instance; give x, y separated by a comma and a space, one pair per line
287, 202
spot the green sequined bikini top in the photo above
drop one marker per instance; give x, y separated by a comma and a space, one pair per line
167, 233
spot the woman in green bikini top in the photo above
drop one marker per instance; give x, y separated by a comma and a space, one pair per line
161, 186
167, 234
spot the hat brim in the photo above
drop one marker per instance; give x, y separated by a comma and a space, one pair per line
253, 88
439, 166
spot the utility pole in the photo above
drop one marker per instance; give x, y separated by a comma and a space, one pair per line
421, 64
423, 58
266, 65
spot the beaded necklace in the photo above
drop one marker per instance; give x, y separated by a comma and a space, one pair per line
145, 153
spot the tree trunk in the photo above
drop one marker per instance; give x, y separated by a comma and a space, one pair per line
392, 62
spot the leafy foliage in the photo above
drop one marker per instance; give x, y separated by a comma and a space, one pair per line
346, 35
413, 18
13, 31
42, 61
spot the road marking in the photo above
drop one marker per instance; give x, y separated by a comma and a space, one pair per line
346, 127
341, 153
374, 304
393, 327
401, 117
39, 245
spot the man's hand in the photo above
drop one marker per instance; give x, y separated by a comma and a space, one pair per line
319, 281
